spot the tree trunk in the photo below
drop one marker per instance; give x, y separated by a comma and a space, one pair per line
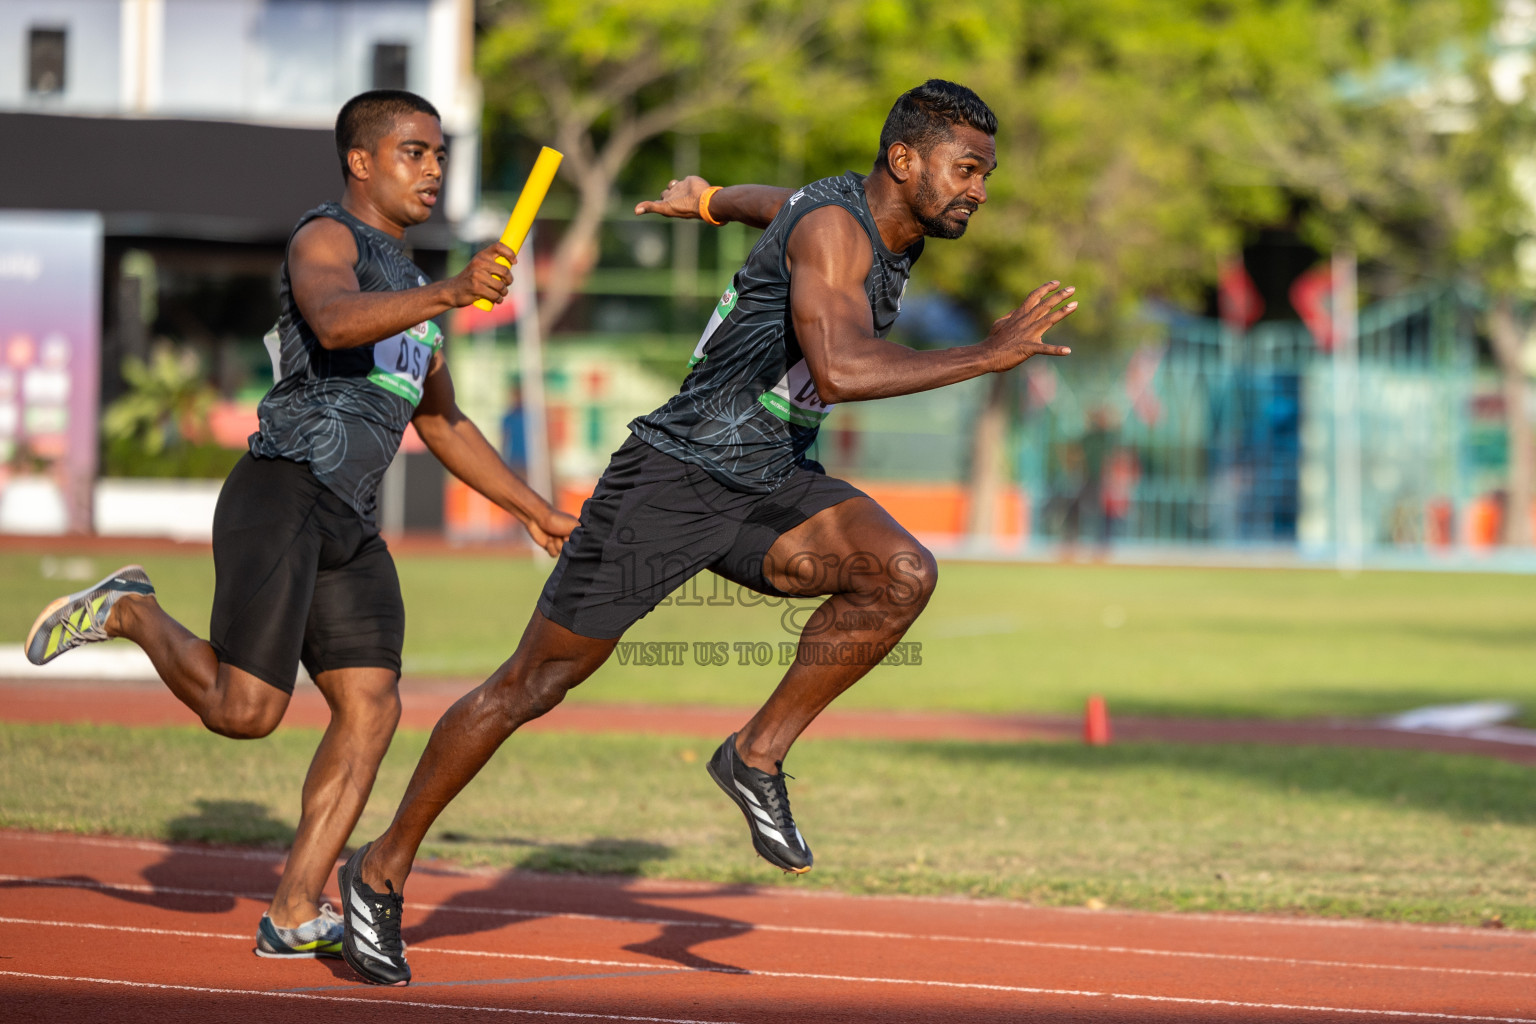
577, 251
1506, 336
986, 482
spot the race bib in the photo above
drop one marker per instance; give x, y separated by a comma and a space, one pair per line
794, 398
400, 364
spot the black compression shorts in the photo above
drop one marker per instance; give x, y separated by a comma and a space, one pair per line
299, 575
655, 522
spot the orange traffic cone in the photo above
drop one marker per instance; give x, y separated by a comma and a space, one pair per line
1096, 723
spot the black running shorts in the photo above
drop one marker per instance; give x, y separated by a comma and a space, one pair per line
655, 522
298, 575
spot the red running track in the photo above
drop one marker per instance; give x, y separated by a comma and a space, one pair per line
127, 931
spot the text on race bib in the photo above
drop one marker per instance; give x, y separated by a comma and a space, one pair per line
794, 398
400, 364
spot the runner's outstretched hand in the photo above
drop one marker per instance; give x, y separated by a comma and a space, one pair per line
551, 533
1016, 337
483, 277
679, 199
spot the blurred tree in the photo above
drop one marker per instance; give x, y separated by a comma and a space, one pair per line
1424, 168
1140, 141
598, 79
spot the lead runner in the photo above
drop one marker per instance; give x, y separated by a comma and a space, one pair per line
717, 479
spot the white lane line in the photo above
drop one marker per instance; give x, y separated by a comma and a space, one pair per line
772, 892
984, 940
974, 986
142, 844
239, 937
679, 968
743, 927
148, 890
372, 1001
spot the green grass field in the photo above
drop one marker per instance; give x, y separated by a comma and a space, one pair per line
1386, 834
1207, 642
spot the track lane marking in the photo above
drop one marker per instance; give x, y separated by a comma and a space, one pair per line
775, 892
1012, 989
927, 983
371, 1001
490, 981
746, 927
143, 844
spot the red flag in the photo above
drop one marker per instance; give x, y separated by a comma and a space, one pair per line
1237, 297
1312, 297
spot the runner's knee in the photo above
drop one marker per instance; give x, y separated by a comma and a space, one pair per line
378, 711
912, 575
547, 687
523, 696
250, 722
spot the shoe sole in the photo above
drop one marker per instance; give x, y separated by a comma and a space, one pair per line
344, 879
296, 956
66, 601
741, 805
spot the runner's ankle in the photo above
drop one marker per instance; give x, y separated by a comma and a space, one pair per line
124, 614
291, 915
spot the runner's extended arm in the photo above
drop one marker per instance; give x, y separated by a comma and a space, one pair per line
464, 451
752, 205
829, 258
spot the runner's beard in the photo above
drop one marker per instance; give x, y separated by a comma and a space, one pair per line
937, 225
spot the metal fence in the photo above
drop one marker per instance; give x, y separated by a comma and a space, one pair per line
1218, 437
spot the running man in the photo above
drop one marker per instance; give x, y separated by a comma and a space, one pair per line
717, 479
302, 574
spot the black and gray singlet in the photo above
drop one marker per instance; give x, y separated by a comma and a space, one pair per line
343, 411
748, 409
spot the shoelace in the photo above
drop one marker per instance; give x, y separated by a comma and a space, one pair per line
388, 923
778, 799
92, 630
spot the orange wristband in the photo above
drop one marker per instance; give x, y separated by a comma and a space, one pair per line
704, 205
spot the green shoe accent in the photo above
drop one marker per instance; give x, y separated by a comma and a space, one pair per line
318, 938
81, 618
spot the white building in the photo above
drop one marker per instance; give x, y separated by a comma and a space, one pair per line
198, 131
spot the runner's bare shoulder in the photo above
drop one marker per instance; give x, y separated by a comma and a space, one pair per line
830, 241
324, 241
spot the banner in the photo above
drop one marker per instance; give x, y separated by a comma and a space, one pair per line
50, 348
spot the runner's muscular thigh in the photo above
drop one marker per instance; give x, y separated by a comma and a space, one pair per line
833, 550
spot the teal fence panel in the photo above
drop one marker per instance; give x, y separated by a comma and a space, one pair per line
1218, 437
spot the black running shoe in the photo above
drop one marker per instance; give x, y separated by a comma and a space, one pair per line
370, 941
81, 617
765, 804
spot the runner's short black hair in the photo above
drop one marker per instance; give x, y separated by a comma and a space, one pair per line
925, 116
368, 117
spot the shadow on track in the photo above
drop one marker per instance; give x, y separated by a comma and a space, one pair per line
528, 893
195, 880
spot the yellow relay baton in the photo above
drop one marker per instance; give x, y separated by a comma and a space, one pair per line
528, 203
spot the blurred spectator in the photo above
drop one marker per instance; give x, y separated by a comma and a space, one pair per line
514, 433
1099, 479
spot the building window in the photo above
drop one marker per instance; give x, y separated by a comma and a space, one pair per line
391, 65
45, 61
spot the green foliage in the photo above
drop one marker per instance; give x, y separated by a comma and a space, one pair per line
1140, 142
125, 457
158, 427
